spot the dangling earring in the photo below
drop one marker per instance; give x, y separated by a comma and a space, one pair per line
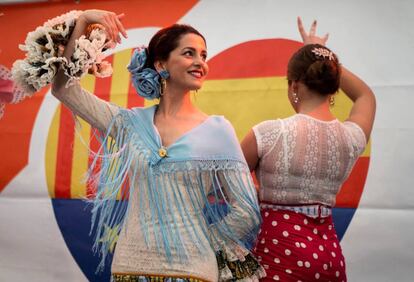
332, 100
163, 86
164, 76
295, 98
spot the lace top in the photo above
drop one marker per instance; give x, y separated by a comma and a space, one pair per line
304, 160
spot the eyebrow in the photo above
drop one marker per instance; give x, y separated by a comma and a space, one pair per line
193, 49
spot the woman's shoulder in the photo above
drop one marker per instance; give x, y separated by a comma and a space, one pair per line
355, 131
269, 122
267, 125
220, 125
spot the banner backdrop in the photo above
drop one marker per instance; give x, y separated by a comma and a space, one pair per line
44, 222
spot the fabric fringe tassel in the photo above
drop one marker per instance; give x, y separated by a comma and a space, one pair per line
171, 195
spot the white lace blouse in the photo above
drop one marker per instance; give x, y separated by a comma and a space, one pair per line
304, 160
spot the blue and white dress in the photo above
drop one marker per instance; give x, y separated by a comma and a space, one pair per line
189, 210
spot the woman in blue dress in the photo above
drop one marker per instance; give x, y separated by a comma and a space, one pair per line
189, 205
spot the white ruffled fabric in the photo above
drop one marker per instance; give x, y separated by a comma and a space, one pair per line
88, 56
235, 256
44, 47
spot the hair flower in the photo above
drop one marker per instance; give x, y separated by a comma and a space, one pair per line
138, 60
146, 83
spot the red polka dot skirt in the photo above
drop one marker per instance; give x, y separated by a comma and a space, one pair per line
296, 247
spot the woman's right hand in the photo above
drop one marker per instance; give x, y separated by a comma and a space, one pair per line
311, 37
109, 20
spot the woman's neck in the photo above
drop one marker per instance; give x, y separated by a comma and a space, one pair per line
176, 103
317, 108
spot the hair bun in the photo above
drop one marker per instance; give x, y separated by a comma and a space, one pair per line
323, 76
317, 67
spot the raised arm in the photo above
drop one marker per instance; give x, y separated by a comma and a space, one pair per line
95, 111
363, 109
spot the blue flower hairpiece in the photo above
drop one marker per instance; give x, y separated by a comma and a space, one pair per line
146, 83
145, 80
139, 57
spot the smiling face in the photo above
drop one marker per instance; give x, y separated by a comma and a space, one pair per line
187, 63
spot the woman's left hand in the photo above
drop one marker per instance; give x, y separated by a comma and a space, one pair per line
109, 20
311, 37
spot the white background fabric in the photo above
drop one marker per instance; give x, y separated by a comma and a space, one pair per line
375, 39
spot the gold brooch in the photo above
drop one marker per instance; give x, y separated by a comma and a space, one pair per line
162, 152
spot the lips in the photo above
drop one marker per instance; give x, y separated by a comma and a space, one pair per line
196, 73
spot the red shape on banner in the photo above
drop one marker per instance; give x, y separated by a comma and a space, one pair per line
270, 58
351, 190
64, 154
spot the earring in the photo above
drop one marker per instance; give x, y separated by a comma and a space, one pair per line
295, 98
163, 86
332, 100
164, 74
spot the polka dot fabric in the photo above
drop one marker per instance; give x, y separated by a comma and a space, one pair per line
295, 247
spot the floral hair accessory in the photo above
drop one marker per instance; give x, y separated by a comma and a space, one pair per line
146, 83
145, 80
138, 60
10, 93
323, 52
45, 46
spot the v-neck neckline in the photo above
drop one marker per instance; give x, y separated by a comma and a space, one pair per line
182, 136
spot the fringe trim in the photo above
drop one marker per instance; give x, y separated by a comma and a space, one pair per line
129, 163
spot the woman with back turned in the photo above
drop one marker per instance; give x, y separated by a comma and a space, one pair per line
301, 163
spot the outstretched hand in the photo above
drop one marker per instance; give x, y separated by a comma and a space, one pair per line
109, 20
311, 37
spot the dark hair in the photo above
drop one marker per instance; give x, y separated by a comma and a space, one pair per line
320, 73
165, 41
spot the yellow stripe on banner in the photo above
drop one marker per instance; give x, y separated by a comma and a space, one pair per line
120, 78
51, 152
149, 103
80, 148
367, 151
342, 106
245, 102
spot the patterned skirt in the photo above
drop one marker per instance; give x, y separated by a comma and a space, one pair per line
292, 246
